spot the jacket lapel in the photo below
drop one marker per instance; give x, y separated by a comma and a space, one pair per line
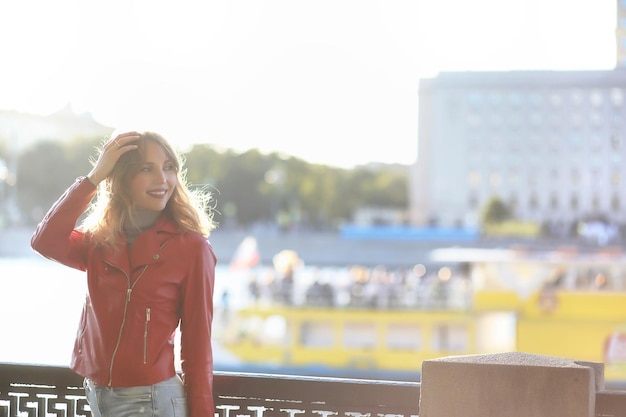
148, 246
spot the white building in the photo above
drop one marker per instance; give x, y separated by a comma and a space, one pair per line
551, 144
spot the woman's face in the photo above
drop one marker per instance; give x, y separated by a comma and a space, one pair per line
156, 180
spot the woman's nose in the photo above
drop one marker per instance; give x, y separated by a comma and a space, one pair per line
160, 176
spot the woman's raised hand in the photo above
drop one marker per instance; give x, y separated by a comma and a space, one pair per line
111, 153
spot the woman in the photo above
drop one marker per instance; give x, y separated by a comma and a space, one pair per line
149, 267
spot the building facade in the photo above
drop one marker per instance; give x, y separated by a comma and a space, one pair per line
550, 144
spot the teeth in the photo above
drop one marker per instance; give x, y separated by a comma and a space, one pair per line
159, 193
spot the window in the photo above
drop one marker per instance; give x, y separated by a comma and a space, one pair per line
554, 201
615, 203
473, 201
615, 142
574, 141
495, 99
473, 120
535, 99
617, 97
495, 119
554, 142
533, 203
495, 179
596, 118
515, 120
595, 143
576, 97
271, 331
574, 202
496, 331
536, 118
316, 334
450, 338
404, 336
555, 100
595, 98
495, 142
474, 179
556, 119
616, 158
475, 98
359, 335
616, 179
595, 175
514, 99
595, 203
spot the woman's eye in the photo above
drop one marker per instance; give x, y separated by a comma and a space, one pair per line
145, 169
169, 167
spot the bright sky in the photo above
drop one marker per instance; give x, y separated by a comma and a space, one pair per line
330, 81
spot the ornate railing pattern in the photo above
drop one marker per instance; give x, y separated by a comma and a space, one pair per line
38, 391
34, 391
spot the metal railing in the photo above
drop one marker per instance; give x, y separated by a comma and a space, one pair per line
37, 391
33, 390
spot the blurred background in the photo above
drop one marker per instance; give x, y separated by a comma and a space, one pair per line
394, 181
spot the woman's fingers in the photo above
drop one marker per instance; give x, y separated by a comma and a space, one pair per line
123, 139
111, 153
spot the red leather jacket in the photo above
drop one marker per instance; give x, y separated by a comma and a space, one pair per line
136, 298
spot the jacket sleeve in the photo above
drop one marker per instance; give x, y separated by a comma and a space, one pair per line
196, 320
55, 236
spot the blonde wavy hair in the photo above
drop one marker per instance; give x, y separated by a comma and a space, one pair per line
189, 209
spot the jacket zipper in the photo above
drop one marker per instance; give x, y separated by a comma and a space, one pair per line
145, 337
129, 292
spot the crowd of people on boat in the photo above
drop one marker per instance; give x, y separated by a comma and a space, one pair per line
364, 287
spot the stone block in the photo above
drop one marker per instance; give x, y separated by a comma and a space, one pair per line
512, 384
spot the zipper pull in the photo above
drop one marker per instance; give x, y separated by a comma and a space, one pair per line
148, 314
128, 292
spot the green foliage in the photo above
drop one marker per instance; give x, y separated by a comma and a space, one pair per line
495, 211
498, 221
42, 173
248, 188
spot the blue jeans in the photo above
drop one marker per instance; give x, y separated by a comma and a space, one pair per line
163, 399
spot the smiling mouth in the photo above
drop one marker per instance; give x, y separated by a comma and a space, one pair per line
158, 193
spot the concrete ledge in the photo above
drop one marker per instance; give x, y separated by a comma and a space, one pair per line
511, 384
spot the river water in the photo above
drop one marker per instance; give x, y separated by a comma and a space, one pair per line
41, 302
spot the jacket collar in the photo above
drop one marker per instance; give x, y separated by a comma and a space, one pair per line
146, 250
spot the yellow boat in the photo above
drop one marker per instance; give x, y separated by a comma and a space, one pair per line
560, 303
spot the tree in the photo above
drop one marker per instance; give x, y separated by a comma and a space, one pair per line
43, 173
247, 188
495, 211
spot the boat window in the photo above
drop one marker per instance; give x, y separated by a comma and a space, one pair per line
360, 335
274, 331
496, 332
404, 336
316, 334
450, 338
